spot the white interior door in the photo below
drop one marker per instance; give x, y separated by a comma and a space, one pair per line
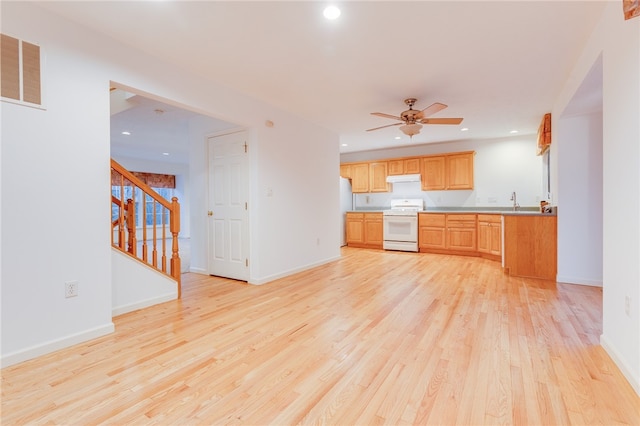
228, 234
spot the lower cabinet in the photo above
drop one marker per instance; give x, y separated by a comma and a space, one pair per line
530, 246
364, 230
490, 235
355, 228
443, 233
461, 232
432, 231
373, 230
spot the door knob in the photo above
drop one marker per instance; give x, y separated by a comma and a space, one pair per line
209, 213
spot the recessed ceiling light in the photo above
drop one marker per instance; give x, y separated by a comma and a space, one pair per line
464, 129
344, 144
165, 153
331, 12
397, 137
513, 131
126, 133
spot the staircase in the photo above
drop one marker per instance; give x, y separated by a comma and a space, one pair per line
147, 244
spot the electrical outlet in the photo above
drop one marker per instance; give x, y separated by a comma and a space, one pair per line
627, 305
71, 289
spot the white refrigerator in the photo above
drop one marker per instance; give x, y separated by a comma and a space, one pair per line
346, 204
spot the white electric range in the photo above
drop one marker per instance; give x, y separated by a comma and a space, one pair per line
400, 224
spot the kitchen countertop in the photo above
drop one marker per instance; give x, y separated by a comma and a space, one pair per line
524, 211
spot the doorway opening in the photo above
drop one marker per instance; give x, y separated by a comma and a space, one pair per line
156, 135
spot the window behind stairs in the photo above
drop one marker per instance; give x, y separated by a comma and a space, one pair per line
163, 184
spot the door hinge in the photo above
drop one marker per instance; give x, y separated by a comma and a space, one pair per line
245, 147
246, 262
246, 206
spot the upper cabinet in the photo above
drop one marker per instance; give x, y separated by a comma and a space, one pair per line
404, 166
360, 177
345, 171
448, 171
395, 167
433, 174
378, 177
459, 169
411, 166
438, 172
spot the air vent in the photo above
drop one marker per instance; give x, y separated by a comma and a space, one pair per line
20, 71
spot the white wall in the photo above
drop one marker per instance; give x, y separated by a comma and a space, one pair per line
136, 287
501, 166
618, 42
580, 195
55, 208
62, 153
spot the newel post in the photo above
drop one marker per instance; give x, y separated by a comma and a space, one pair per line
174, 228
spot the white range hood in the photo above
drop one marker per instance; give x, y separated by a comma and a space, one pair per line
403, 178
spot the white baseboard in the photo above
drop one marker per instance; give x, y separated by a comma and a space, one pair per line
119, 310
619, 361
576, 280
291, 271
55, 345
201, 271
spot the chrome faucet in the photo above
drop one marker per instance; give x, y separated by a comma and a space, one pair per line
516, 206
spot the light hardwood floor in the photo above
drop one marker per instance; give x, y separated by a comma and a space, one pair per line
376, 337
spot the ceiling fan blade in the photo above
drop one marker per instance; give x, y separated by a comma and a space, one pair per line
441, 120
432, 109
382, 114
382, 127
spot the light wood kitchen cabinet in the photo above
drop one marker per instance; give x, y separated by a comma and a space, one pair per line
433, 174
461, 232
373, 230
396, 167
378, 177
364, 230
404, 166
447, 233
359, 177
438, 172
412, 166
431, 231
530, 246
490, 235
459, 169
447, 172
355, 228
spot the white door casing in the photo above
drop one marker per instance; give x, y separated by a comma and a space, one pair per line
228, 221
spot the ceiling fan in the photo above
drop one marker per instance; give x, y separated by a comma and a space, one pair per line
412, 120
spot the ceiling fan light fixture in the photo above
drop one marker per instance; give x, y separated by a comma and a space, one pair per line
411, 129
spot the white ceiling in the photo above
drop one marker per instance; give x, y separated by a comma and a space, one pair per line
498, 64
